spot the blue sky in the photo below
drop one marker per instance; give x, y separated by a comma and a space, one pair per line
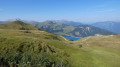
73, 10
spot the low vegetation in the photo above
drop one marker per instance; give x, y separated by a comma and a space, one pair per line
19, 49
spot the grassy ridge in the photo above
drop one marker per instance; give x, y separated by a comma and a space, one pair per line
18, 25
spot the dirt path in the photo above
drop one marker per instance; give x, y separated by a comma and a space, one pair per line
64, 38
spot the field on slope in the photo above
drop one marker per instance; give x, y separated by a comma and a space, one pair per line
31, 47
77, 56
102, 51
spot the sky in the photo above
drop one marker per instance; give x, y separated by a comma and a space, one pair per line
72, 10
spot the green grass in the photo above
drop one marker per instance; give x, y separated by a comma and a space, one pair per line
105, 57
103, 53
32, 43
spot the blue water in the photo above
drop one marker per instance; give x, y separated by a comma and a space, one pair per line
71, 37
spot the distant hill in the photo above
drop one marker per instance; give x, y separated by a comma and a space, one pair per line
19, 25
4, 22
77, 31
1, 22
109, 25
54, 27
72, 23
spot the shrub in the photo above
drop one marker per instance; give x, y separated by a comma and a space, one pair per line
27, 31
80, 46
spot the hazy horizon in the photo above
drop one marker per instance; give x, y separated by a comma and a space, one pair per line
10, 20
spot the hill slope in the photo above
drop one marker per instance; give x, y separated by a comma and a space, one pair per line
111, 41
104, 50
35, 48
18, 25
39, 48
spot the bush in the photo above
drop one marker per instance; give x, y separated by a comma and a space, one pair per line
2, 39
27, 31
80, 46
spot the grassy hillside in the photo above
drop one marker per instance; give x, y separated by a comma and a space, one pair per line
18, 25
35, 48
111, 41
103, 50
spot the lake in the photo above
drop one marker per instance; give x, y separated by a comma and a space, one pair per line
70, 37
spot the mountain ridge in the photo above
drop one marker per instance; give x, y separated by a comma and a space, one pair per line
109, 25
64, 29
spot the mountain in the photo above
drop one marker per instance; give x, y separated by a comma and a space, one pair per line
88, 30
4, 22
19, 25
1, 22
53, 27
109, 25
72, 23
77, 31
